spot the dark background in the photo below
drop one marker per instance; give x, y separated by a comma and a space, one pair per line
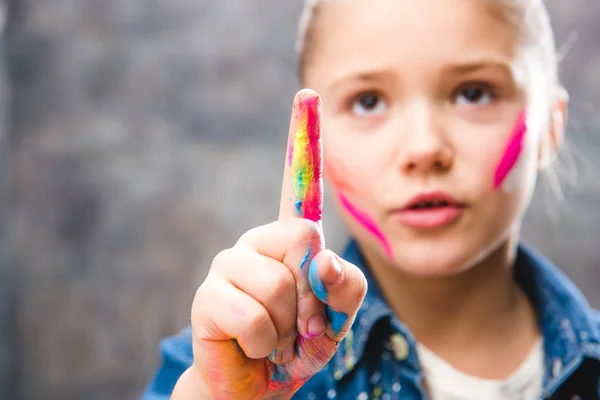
139, 138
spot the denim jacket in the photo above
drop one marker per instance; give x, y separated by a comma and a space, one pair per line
378, 360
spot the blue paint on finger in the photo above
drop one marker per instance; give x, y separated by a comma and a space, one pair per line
336, 318
298, 205
306, 258
273, 356
280, 374
316, 283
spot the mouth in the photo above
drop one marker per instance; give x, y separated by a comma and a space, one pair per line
426, 205
430, 210
429, 201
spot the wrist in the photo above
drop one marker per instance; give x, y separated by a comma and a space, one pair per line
191, 386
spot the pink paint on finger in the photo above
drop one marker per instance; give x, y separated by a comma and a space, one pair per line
307, 160
512, 152
291, 153
368, 223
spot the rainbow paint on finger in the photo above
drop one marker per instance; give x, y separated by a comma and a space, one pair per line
306, 159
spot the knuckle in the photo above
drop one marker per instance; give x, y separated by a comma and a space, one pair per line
199, 305
283, 284
250, 235
304, 230
259, 324
201, 293
258, 335
222, 259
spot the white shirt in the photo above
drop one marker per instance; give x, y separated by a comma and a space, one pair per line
445, 382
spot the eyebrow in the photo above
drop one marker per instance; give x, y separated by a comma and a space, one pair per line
476, 65
363, 77
460, 68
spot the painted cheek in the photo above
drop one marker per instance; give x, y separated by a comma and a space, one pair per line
512, 152
359, 215
368, 223
306, 162
336, 181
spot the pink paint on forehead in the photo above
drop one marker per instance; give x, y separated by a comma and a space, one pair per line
512, 152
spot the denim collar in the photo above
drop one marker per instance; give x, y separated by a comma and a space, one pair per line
568, 324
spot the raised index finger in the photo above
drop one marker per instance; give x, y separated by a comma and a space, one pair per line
302, 188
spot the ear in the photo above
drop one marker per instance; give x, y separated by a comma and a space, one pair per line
550, 144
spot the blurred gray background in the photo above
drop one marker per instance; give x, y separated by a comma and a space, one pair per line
139, 138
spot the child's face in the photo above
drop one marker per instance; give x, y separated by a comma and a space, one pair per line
422, 97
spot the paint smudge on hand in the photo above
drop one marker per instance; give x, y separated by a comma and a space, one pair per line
223, 364
512, 152
306, 160
306, 258
336, 318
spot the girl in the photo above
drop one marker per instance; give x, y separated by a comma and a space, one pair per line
437, 116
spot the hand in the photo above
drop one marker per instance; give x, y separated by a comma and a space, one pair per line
274, 307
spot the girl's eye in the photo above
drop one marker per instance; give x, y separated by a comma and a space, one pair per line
367, 104
477, 95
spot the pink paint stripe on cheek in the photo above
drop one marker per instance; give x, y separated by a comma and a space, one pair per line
512, 152
368, 223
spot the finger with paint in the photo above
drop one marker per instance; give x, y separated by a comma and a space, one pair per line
336, 283
258, 296
302, 197
302, 194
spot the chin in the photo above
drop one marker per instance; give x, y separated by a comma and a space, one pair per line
438, 258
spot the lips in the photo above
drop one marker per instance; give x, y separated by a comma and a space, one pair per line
430, 210
431, 200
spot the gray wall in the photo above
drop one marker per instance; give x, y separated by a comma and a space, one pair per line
145, 136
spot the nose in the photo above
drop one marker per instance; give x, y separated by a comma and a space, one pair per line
423, 146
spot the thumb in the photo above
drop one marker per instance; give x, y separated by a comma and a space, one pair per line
339, 284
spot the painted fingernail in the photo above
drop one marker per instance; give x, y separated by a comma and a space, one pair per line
317, 324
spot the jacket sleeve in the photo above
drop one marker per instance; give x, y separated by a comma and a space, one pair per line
176, 357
